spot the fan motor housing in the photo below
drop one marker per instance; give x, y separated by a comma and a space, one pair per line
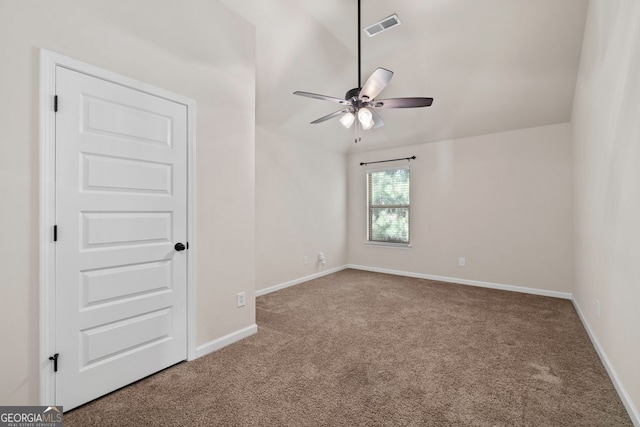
352, 93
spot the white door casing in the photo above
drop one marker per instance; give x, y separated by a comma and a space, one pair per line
119, 306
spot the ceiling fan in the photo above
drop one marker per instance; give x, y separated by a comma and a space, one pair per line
360, 102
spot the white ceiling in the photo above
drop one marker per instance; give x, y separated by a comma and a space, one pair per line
490, 65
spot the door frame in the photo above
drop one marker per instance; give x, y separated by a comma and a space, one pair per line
49, 61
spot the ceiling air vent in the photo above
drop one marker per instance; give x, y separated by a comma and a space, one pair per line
382, 25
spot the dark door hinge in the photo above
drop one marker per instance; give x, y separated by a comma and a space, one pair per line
55, 362
55, 233
187, 245
55, 104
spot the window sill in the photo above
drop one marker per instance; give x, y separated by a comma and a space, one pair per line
389, 245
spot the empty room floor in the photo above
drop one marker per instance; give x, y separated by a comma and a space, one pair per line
365, 349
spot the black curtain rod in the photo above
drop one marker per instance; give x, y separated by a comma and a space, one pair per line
390, 160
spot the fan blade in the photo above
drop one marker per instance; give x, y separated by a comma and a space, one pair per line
377, 120
402, 103
321, 97
329, 116
376, 83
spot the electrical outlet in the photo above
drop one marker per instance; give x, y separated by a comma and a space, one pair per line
305, 260
598, 308
240, 299
462, 262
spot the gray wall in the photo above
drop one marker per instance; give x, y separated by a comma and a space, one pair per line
607, 186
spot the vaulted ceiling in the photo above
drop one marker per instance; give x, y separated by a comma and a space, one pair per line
490, 65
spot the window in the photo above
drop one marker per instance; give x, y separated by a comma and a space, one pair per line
388, 205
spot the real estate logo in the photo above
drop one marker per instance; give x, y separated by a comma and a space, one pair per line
30, 416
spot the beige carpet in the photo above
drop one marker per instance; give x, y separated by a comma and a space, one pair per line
366, 349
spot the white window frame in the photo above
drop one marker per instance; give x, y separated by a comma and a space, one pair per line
368, 208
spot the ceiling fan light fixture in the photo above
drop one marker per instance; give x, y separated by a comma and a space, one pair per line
366, 118
347, 119
361, 100
367, 126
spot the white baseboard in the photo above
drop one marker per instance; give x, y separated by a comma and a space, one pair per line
274, 288
226, 340
633, 412
512, 288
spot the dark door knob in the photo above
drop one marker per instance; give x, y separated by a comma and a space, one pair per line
180, 247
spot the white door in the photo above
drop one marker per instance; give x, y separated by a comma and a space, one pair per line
121, 207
